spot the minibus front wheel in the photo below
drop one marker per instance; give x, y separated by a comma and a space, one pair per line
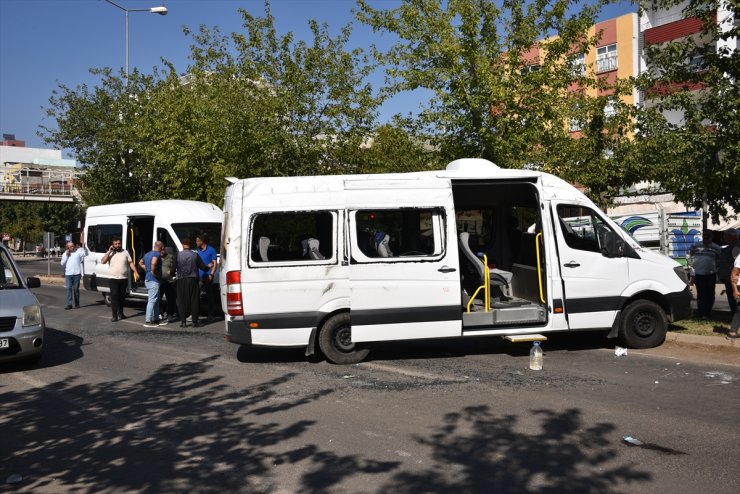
335, 341
644, 324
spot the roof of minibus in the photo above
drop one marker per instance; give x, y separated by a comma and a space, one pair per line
169, 211
472, 169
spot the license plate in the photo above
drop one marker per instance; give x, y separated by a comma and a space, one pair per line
4, 343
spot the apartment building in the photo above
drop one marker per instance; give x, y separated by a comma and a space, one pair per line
664, 25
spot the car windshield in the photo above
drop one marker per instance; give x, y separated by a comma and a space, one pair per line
212, 232
9, 276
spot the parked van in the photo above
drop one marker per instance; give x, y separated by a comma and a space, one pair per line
342, 261
139, 225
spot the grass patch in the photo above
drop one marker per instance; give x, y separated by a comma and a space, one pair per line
703, 328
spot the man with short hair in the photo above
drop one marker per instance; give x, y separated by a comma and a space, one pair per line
705, 258
209, 256
188, 293
119, 262
152, 264
72, 263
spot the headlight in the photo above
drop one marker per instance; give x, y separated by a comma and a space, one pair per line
681, 273
32, 315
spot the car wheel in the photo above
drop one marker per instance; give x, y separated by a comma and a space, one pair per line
106, 299
644, 324
335, 341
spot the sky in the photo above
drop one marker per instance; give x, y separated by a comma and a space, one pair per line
44, 43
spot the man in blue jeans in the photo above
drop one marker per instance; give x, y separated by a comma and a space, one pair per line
209, 256
72, 263
152, 264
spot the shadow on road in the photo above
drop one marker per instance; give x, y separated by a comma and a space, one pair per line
476, 450
182, 429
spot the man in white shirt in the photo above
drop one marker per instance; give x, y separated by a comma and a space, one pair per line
735, 280
72, 263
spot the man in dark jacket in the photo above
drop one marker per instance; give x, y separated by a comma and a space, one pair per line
188, 291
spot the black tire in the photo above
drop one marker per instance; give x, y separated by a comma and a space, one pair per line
644, 325
336, 344
106, 299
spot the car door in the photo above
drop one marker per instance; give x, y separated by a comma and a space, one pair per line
403, 261
593, 277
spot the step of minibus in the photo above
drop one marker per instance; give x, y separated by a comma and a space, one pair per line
522, 338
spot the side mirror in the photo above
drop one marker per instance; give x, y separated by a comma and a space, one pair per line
33, 282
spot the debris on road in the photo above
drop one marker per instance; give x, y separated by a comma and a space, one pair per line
620, 352
632, 440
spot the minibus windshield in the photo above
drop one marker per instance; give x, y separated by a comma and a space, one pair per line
212, 232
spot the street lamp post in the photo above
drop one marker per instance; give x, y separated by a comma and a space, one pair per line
154, 10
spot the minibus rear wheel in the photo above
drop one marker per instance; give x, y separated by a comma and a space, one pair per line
335, 341
644, 324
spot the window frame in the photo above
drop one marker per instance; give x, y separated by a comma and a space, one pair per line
608, 60
597, 237
257, 264
439, 231
105, 245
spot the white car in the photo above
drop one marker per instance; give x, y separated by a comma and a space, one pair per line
22, 328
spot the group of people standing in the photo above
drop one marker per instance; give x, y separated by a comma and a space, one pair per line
711, 262
178, 278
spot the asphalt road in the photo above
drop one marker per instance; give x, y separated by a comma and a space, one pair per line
116, 407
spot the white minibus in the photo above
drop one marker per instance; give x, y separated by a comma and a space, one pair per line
473, 250
139, 225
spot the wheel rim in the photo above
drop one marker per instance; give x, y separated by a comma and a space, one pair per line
644, 324
343, 339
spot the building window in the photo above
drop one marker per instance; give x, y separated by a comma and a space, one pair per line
696, 62
606, 58
528, 69
610, 108
578, 65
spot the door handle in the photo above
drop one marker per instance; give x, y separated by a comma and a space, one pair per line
571, 264
445, 269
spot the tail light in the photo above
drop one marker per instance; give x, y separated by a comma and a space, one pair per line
234, 293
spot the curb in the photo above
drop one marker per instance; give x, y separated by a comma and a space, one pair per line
715, 343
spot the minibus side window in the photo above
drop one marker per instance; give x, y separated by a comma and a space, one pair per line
304, 236
399, 232
582, 228
165, 237
100, 237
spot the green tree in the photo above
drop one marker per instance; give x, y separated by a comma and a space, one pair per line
488, 98
28, 220
695, 158
252, 103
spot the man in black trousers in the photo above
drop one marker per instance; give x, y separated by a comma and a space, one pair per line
188, 290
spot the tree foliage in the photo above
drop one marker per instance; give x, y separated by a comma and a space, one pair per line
28, 220
694, 77
473, 56
252, 103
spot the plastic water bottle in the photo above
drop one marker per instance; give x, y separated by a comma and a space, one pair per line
535, 356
